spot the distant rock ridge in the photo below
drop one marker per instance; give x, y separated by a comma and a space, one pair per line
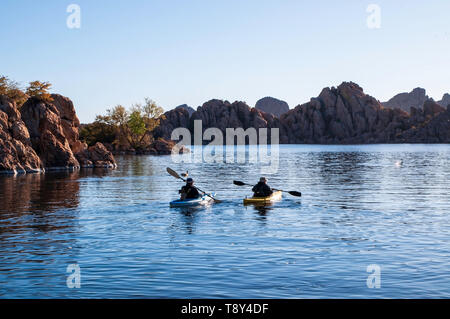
187, 108
342, 115
445, 100
272, 105
404, 101
44, 136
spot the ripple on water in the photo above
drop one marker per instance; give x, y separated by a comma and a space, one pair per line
359, 207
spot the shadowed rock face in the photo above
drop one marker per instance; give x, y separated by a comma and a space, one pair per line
223, 114
347, 115
445, 100
342, 115
272, 105
16, 152
187, 108
404, 101
430, 125
172, 119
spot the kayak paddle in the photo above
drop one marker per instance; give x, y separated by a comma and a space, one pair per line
293, 193
175, 174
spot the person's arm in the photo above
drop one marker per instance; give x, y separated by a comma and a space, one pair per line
196, 192
269, 190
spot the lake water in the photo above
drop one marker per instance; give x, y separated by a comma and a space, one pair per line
383, 205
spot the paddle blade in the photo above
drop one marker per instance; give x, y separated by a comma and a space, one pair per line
173, 173
238, 183
293, 193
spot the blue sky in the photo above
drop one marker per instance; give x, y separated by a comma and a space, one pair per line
178, 52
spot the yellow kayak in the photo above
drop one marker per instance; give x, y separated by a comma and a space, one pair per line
263, 200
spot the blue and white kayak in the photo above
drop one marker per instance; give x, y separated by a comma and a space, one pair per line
201, 201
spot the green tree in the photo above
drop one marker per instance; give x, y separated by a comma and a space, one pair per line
133, 128
12, 90
39, 90
137, 130
97, 132
150, 112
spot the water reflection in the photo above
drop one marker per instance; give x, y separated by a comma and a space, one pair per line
42, 202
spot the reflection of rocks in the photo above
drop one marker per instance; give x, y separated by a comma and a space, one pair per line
46, 135
32, 194
16, 153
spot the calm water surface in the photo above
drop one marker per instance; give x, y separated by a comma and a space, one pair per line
360, 206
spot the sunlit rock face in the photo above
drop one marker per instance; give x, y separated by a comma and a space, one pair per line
44, 135
16, 152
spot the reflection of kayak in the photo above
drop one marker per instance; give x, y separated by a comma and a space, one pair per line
263, 200
201, 201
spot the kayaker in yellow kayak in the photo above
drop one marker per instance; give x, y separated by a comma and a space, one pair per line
189, 191
262, 189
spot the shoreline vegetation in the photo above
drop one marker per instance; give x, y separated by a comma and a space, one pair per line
40, 131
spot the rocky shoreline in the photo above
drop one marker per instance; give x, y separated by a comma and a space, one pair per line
43, 136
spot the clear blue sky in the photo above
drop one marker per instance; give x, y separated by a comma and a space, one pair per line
191, 51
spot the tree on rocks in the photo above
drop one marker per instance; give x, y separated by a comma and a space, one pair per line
39, 90
12, 90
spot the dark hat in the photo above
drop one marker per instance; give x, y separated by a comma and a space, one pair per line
189, 180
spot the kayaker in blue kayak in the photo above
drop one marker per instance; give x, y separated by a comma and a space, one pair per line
262, 189
189, 191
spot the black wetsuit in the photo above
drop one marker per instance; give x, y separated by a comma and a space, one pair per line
191, 192
262, 190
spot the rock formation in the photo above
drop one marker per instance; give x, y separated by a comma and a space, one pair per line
404, 101
45, 135
343, 115
445, 100
16, 152
430, 125
272, 105
223, 114
187, 108
337, 116
178, 117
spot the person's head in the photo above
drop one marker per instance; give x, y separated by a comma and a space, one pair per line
190, 181
263, 180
